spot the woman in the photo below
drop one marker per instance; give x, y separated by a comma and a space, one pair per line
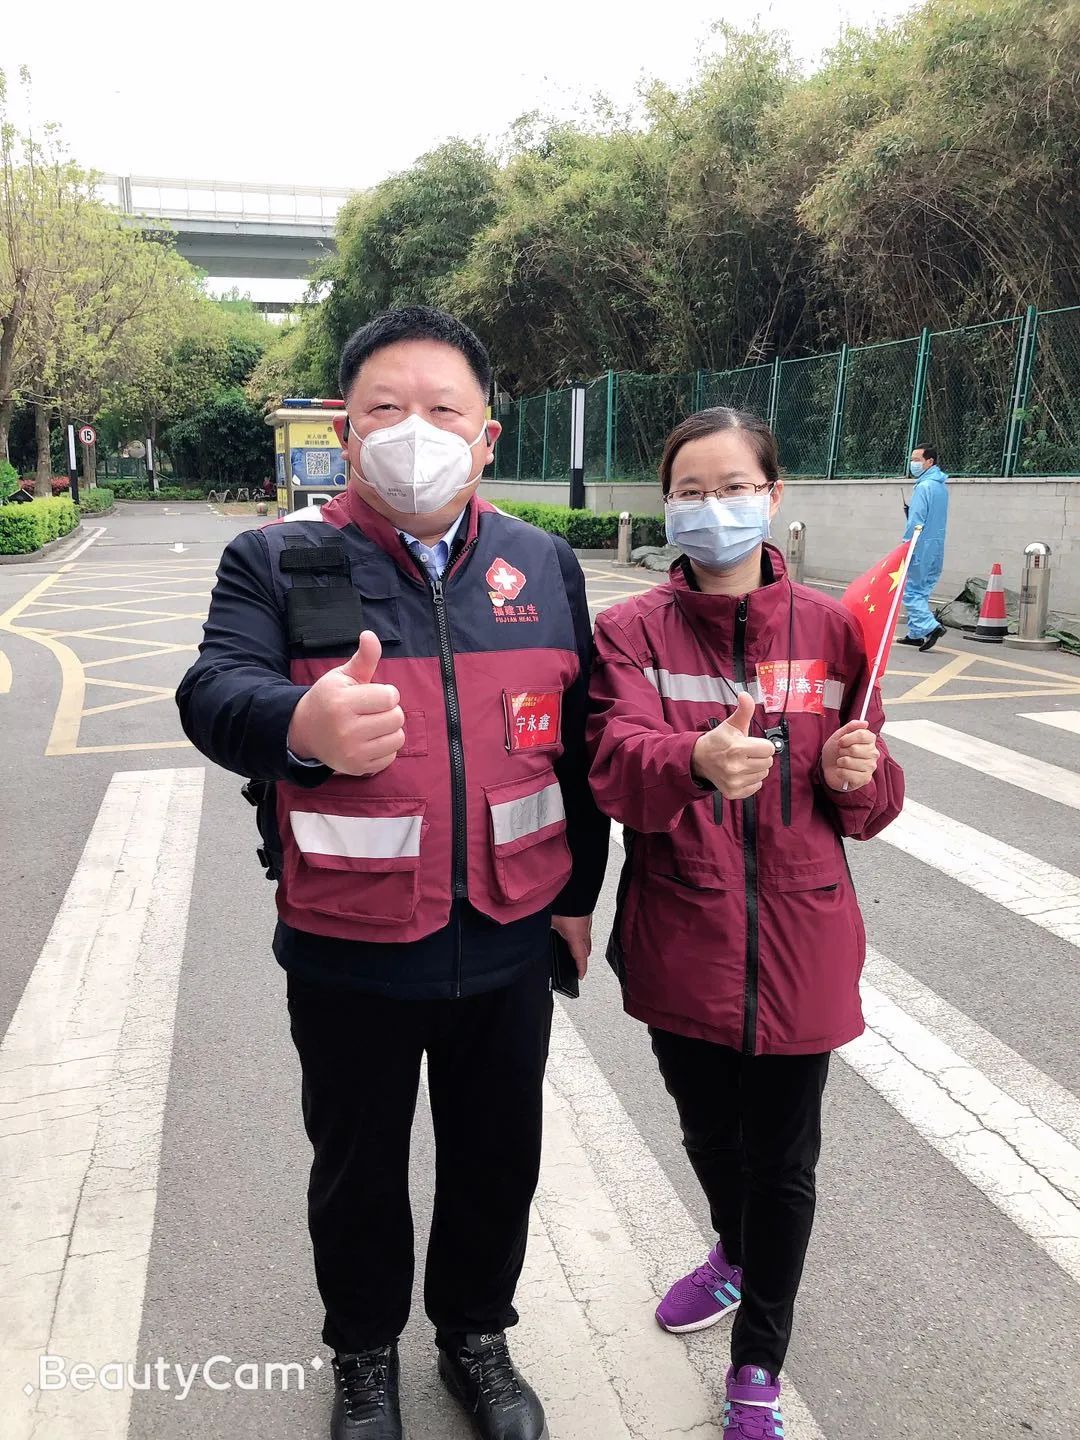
721, 737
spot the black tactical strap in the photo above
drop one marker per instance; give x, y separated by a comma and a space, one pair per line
300, 557
325, 613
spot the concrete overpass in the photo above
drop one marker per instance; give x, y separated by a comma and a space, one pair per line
233, 229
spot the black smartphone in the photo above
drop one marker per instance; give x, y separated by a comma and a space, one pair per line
564, 976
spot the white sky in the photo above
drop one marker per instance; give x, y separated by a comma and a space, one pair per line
339, 94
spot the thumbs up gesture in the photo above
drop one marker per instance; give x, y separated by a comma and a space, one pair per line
347, 721
732, 759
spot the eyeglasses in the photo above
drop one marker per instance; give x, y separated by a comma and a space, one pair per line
737, 490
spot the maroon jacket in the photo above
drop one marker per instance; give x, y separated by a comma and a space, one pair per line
737, 923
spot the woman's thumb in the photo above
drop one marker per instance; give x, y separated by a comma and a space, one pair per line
362, 666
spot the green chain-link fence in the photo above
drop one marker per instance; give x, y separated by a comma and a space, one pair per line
745, 389
967, 400
875, 418
1000, 398
805, 411
1050, 443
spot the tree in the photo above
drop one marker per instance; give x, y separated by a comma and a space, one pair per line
397, 244
227, 442
41, 191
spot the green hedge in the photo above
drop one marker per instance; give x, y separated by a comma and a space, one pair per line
586, 529
91, 502
26, 528
139, 490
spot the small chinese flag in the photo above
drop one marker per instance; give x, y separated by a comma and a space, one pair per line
874, 601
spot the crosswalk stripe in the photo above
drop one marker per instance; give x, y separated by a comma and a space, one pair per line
1051, 781
1022, 1166
1050, 1102
83, 1073
1009, 1129
662, 1239
1021, 883
1061, 719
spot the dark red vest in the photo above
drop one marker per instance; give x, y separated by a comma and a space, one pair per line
471, 807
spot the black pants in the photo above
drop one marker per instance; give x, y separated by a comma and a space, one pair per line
752, 1128
360, 1056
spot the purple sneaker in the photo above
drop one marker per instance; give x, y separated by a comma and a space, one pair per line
752, 1410
703, 1297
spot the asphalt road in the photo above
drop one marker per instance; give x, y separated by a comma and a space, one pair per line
153, 1158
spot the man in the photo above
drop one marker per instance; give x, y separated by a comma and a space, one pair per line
430, 814
928, 507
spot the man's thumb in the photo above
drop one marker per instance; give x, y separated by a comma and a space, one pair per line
362, 666
744, 714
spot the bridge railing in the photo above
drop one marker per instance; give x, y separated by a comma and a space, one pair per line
184, 199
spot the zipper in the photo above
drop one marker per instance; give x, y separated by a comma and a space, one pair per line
750, 862
458, 793
457, 751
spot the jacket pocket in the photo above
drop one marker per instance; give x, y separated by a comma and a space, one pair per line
358, 859
528, 835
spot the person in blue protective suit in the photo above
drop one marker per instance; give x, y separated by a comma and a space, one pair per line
928, 507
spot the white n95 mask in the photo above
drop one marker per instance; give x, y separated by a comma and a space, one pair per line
415, 467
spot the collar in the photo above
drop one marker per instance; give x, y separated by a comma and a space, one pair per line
447, 539
713, 616
349, 509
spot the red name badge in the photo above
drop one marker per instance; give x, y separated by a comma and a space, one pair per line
532, 718
803, 688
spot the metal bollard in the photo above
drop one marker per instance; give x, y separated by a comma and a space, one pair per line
1034, 601
625, 536
796, 550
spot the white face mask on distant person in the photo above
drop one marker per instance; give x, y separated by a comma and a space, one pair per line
415, 467
719, 533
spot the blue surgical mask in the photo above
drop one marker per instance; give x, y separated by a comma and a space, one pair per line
917, 468
719, 533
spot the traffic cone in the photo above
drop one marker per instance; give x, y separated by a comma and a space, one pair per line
993, 623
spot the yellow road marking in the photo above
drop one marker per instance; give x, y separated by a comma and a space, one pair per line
940, 677
978, 695
163, 649
98, 632
127, 704
131, 685
1055, 675
5, 674
124, 749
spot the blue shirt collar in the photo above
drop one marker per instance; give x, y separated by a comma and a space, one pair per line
447, 539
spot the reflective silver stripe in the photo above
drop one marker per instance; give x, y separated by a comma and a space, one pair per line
357, 837
515, 818
834, 694
716, 688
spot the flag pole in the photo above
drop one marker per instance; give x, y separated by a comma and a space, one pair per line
890, 624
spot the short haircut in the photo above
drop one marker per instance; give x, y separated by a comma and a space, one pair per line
710, 422
412, 322
929, 451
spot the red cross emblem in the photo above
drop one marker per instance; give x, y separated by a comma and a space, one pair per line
504, 582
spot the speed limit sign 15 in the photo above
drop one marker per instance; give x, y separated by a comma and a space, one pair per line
87, 434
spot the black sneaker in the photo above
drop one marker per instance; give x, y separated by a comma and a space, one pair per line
910, 640
367, 1405
485, 1380
932, 639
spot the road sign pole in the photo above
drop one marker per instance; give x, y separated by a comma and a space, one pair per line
151, 473
73, 469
